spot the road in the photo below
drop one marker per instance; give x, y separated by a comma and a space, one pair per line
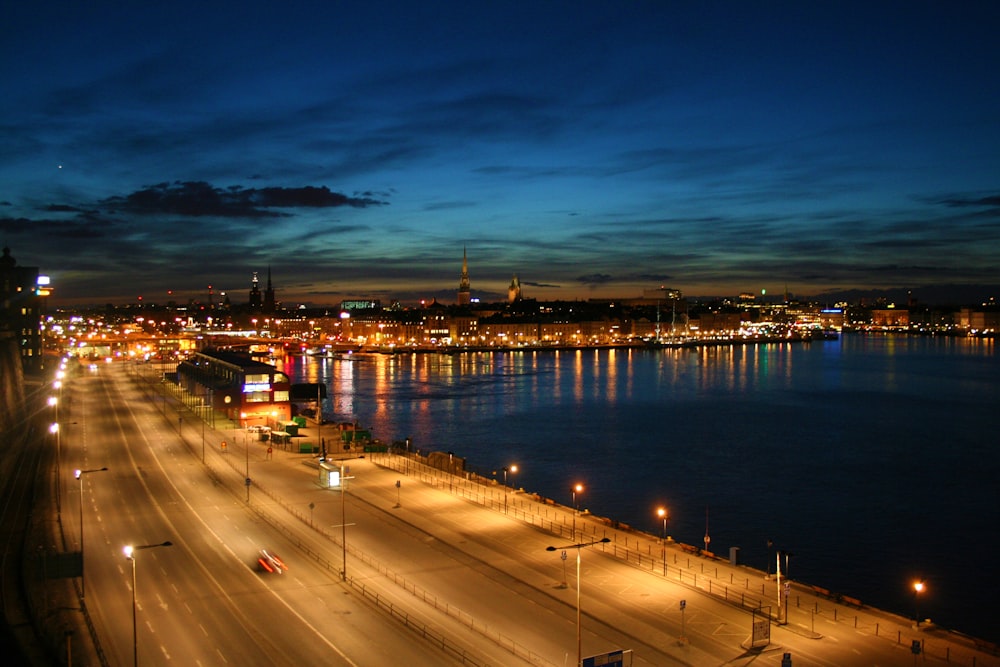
202, 600
435, 570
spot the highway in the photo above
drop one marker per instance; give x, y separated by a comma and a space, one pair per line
202, 600
436, 569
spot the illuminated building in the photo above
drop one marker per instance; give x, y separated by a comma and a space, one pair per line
249, 392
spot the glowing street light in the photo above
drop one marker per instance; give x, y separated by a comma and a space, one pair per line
578, 547
662, 513
79, 475
577, 488
129, 552
918, 588
512, 469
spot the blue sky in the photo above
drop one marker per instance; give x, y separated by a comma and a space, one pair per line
591, 148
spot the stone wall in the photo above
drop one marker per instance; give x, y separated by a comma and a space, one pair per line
11, 383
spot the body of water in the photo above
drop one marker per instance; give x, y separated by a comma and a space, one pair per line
873, 460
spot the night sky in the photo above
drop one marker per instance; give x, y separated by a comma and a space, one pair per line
591, 148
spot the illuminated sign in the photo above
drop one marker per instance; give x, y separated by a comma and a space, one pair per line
43, 280
252, 387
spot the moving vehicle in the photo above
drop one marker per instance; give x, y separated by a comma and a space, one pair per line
270, 562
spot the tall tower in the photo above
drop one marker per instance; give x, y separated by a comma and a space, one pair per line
269, 304
255, 301
464, 290
514, 291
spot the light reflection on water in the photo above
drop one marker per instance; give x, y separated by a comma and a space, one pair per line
871, 458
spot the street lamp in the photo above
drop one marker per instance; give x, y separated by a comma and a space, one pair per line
918, 588
578, 547
662, 513
79, 475
130, 554
577, 488
512, 469
341, 481
783, 589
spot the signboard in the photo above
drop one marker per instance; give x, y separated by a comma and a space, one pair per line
761, 635
612, 659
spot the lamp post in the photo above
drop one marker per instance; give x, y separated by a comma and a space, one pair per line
130, 554
342, 483
79, 475
783, 589
512, 469
918, 588
246, 442
577, 488
662, 513
578, 547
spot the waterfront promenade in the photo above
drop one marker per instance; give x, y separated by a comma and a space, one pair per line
809, 611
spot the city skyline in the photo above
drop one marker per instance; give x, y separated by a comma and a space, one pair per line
593, 149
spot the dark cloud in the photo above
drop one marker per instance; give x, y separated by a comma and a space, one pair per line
61, 208
81, 228
198, 199
993, 200
595, 279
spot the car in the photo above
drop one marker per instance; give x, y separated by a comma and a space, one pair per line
270, 562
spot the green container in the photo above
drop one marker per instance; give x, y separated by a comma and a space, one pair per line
301, 421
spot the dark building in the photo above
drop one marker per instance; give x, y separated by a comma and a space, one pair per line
22, 297
256, 303
262, 303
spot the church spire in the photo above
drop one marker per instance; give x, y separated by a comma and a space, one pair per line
269, 303
464, 288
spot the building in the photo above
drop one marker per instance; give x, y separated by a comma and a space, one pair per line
22, 300
464, 288
248, 392
514, 291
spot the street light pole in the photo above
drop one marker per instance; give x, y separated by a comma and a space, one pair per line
512, 470
577, 488
918, 588
79, 475
662, 513
130, 554
578, 547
